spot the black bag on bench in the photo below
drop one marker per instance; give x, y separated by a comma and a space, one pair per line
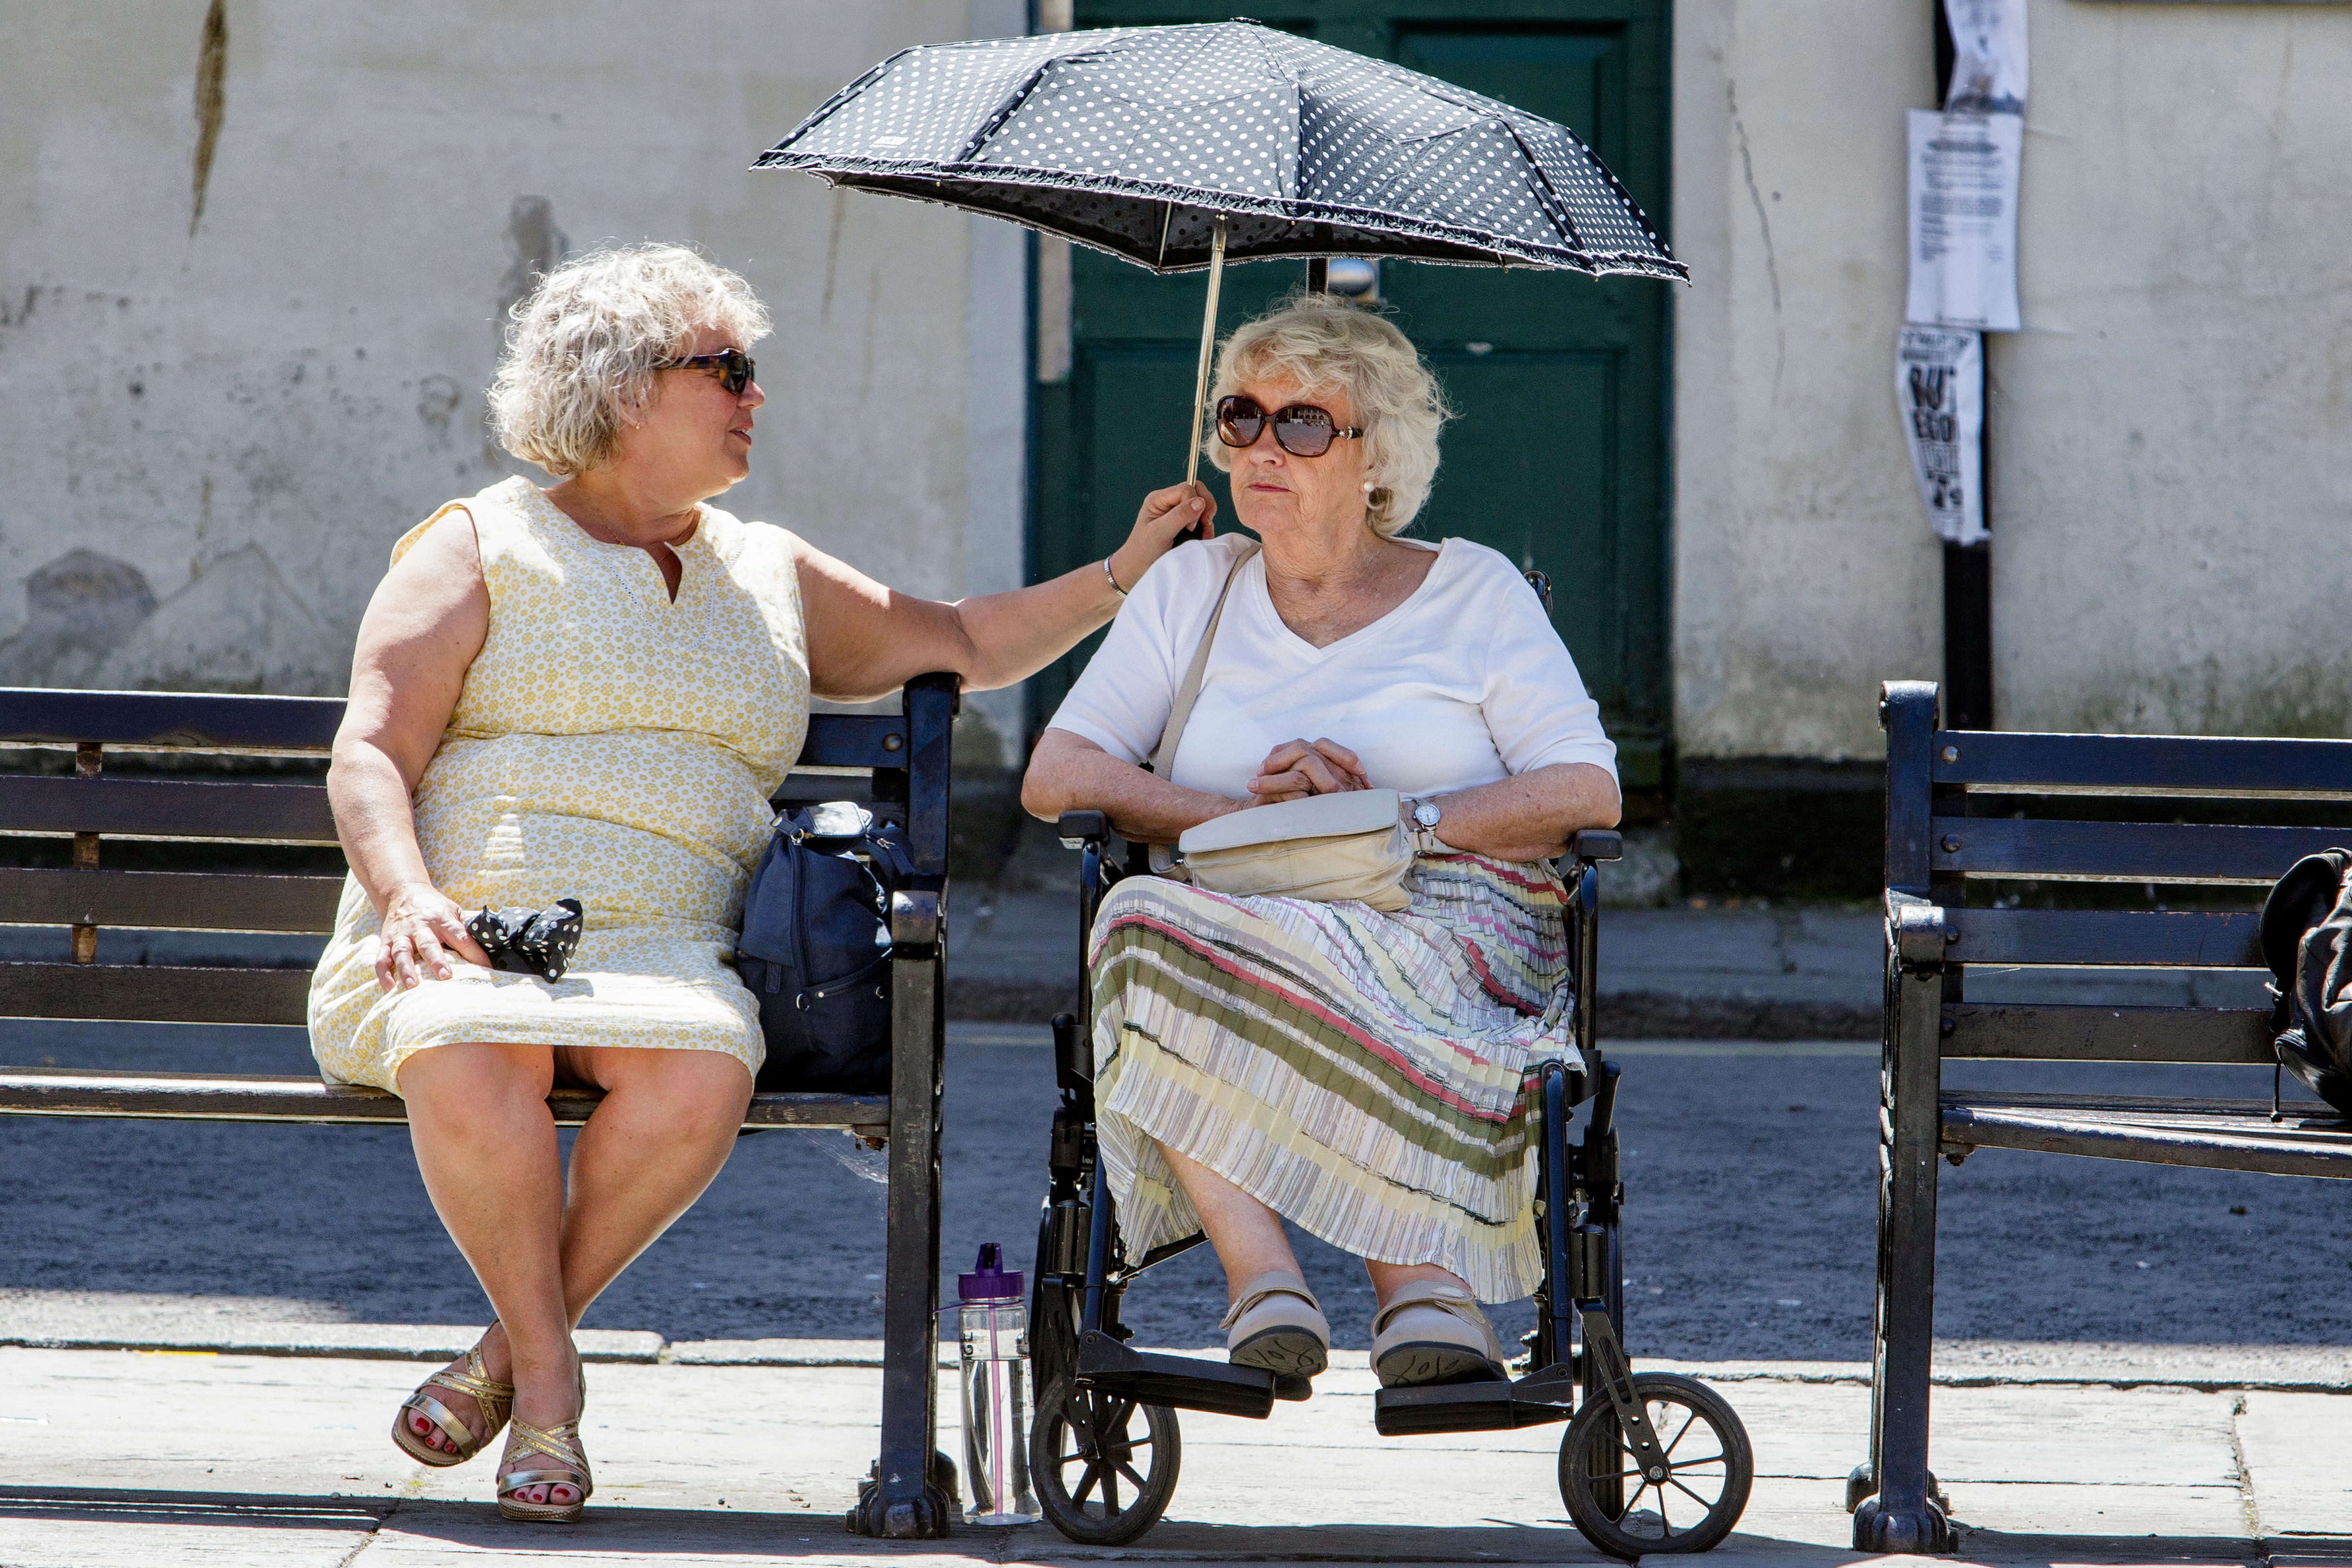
815, 949
2307, 941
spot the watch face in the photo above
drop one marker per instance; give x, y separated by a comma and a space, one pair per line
1426, 814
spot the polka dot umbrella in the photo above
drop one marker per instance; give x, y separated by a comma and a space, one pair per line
1180, 148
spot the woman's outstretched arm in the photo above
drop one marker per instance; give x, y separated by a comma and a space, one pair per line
865, 639
422, 631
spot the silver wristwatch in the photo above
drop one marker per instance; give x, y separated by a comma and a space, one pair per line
1426, 813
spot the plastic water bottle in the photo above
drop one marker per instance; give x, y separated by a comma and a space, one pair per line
995, 1324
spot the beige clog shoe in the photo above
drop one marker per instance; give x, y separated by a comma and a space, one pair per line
1276, 1325
1432, 1332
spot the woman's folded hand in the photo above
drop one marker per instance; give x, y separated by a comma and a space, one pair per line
423, 927
1296, 769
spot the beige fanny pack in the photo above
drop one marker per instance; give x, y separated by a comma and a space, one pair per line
1327, 847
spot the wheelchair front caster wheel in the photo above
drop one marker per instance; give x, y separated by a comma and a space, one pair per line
1687, 1500
1104, 1465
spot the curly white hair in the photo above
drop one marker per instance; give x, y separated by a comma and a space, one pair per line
582, 348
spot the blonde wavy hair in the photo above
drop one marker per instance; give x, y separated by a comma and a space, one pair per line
1320, 342
581, 349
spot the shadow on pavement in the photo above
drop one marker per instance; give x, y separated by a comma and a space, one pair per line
2025, 1551
650, 1533
248, 1511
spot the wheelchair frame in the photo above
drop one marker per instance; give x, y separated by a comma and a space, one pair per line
1576, 1350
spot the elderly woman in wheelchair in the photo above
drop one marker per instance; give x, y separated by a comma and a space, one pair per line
1361, 1072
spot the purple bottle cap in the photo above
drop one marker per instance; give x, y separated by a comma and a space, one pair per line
988, 1281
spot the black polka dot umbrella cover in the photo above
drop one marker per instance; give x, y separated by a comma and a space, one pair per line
1136, 140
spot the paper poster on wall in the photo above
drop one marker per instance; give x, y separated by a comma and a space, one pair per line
1964, 172
1939, 387
1988, 55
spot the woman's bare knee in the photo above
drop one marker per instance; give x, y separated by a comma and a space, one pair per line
694, 1091
476, 1076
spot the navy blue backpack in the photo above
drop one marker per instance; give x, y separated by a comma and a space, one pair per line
816, 949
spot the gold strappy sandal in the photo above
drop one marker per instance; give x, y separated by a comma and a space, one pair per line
560, 1443
475, 1383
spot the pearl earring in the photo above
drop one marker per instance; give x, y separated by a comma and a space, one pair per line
1369, 487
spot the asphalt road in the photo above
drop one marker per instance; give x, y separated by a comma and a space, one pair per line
1749, 1172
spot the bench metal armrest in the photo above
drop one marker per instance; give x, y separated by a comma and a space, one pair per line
1916, 931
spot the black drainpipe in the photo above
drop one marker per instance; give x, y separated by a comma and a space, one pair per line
1968, 568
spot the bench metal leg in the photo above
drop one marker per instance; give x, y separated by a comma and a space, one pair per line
909, 1497
1904, 1516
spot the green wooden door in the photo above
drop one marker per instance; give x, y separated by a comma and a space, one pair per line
1558, 459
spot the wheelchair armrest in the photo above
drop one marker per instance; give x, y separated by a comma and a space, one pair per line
1596, 844
1080, 828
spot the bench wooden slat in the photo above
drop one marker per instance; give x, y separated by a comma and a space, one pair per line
2149, 765
305, 726
2188, 939
247, 1097
142, 993
853, 741
278, 726
169, 900
2231, 1134
167, 808
2123, 851
2075, 1033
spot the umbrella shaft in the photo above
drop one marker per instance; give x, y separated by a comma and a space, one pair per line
1208, 342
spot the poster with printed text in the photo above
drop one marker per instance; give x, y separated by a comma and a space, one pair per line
1964, 178
1939, 387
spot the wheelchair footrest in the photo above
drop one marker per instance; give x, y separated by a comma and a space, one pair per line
1539, 1397
1182, 1382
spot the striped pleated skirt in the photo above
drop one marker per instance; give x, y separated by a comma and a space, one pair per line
1361, 1074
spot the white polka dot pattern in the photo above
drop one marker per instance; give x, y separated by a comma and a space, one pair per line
1132, 140
611, 745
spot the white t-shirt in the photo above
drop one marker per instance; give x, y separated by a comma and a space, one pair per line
1463, 684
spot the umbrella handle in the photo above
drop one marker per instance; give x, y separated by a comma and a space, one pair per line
1208, 342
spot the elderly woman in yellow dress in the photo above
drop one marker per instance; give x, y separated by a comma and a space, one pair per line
1355, 1072
590, 691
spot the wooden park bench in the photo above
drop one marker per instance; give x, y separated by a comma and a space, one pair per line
1953, 828
899, 763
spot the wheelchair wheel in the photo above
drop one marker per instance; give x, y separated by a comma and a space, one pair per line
1104, 1465
1686, 1503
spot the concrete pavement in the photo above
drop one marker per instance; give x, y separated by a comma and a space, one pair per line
112, 1458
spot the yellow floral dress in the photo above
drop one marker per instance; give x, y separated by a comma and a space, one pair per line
608, 745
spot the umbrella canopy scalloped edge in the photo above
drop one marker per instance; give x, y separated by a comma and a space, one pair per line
1474, 247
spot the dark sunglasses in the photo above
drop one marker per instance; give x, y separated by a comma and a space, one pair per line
1302, 429
733, 365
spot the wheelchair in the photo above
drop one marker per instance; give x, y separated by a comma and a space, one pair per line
1104, 1443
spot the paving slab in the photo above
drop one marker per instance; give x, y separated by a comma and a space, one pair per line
139, 1458
2298, 1453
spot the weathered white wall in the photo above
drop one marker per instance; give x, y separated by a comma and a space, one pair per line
211, 433
2167, 483
1804, 572
2169, 480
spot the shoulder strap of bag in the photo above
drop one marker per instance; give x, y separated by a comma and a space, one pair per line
1190, 692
